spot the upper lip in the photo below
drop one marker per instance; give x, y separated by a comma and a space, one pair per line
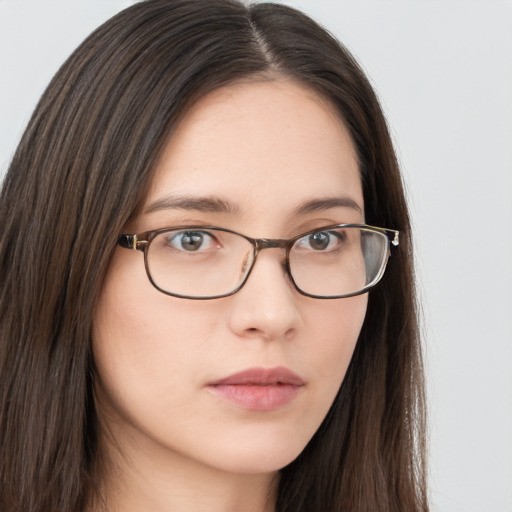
262, 377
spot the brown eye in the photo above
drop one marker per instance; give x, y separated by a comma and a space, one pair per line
319, 241
191, 241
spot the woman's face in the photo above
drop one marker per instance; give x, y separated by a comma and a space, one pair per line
272, 152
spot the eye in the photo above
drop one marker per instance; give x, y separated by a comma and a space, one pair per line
192, 241
320, 241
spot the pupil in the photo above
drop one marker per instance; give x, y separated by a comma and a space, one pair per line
191, 241
319, 240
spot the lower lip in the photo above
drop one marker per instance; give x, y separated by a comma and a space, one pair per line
257, 397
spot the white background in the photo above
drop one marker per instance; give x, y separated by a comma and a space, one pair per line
443, 69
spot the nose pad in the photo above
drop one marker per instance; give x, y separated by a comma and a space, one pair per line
245, 263
266, 306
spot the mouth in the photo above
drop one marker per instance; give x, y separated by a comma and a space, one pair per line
259, 389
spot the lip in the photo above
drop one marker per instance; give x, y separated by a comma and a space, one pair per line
259, 389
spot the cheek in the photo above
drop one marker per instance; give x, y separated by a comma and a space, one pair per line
338, 324
137, 352
151, 352
335, 328
146, 341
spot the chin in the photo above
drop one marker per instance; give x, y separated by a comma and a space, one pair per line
251, 458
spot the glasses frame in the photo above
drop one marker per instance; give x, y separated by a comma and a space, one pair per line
141, 242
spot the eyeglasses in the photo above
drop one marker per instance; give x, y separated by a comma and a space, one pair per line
206, 262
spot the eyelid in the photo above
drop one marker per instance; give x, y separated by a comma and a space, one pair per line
318, 224
180, 232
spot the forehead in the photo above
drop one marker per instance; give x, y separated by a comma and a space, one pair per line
262, 146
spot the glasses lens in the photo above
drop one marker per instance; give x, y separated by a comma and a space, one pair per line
198, 263
340, 261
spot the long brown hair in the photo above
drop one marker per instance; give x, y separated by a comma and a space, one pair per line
82, 167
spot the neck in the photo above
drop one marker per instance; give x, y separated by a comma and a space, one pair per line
146, 479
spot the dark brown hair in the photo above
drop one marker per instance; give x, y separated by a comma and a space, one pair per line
82, 167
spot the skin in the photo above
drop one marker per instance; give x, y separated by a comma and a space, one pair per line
168, 443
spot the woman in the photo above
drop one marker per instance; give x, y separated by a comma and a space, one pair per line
247, 360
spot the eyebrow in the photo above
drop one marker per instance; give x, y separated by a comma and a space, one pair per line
207, 204
318, 205
211, 204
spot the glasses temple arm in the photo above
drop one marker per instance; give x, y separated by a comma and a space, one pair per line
129, 242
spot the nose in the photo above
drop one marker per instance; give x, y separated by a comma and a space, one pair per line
267, 305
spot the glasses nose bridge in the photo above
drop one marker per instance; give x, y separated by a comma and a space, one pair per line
261, 244
270, 243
